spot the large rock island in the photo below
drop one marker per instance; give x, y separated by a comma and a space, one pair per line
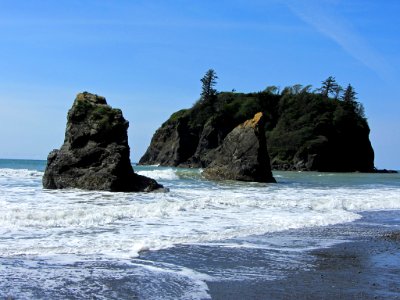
306, 131
95, 153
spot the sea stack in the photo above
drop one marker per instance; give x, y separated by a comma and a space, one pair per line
95, 153
243, 154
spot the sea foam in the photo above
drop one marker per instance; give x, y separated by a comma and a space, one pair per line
163, 174
53, 222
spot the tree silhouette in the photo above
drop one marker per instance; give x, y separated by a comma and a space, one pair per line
297, 88
272, 89
349, 94
306, 89
329, 86
337, 92
350, 99
209, 81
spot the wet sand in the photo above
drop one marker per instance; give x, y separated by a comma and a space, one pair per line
356, 260
366, 267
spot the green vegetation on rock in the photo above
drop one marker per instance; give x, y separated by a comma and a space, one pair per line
324, 130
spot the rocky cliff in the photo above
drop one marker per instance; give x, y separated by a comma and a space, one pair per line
305, 131
243, 154
95, 153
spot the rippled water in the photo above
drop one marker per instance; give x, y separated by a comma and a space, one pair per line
84, 243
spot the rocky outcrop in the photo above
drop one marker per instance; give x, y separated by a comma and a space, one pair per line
209, 138
95, 153
179, 143
172, 144
243, 154
305, 132
314, 133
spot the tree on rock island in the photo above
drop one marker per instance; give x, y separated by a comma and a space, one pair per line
209, 81
349, 94
329, 86
350, 98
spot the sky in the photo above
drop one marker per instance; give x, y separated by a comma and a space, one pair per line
147, 58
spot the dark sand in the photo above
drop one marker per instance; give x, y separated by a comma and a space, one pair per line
355, 270
362, 262
365, 267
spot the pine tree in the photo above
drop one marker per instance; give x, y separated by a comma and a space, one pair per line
350, 98
329, 86
349, 94
209, 81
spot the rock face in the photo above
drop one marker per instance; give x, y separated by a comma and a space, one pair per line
95, 153
243, 154
172, 143
180, 142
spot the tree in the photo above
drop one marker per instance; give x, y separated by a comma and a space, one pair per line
297, 88
349, 94
329, 86
350, 98
337, 91
306, 89
209, 81
360, 110
287, 90
272, 89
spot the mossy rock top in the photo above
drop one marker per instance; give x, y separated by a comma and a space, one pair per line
94, 108
93, 98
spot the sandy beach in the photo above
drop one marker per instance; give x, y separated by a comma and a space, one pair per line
364, 267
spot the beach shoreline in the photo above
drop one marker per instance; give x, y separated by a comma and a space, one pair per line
363, 267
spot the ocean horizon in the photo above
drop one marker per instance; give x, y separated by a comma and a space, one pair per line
193, 242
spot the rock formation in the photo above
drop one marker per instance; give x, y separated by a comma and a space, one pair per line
171, 144
305, 132
180, 143
95, 153
243, 154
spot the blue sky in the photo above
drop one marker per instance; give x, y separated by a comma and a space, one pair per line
147, 58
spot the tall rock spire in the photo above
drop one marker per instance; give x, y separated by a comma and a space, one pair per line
95, 153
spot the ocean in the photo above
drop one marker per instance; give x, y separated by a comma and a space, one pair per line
74, 244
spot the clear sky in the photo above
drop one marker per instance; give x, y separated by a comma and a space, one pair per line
147, 57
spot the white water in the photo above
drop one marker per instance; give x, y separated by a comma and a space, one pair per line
165, 174
41, 222
76, 244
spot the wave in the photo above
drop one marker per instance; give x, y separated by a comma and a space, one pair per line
19, 173
123, 225
160, 174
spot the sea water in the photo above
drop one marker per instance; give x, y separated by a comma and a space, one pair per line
84, 244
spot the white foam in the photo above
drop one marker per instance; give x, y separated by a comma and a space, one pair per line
34, 221
19, 173
160, 174
89, 278
70, 228
198, 288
